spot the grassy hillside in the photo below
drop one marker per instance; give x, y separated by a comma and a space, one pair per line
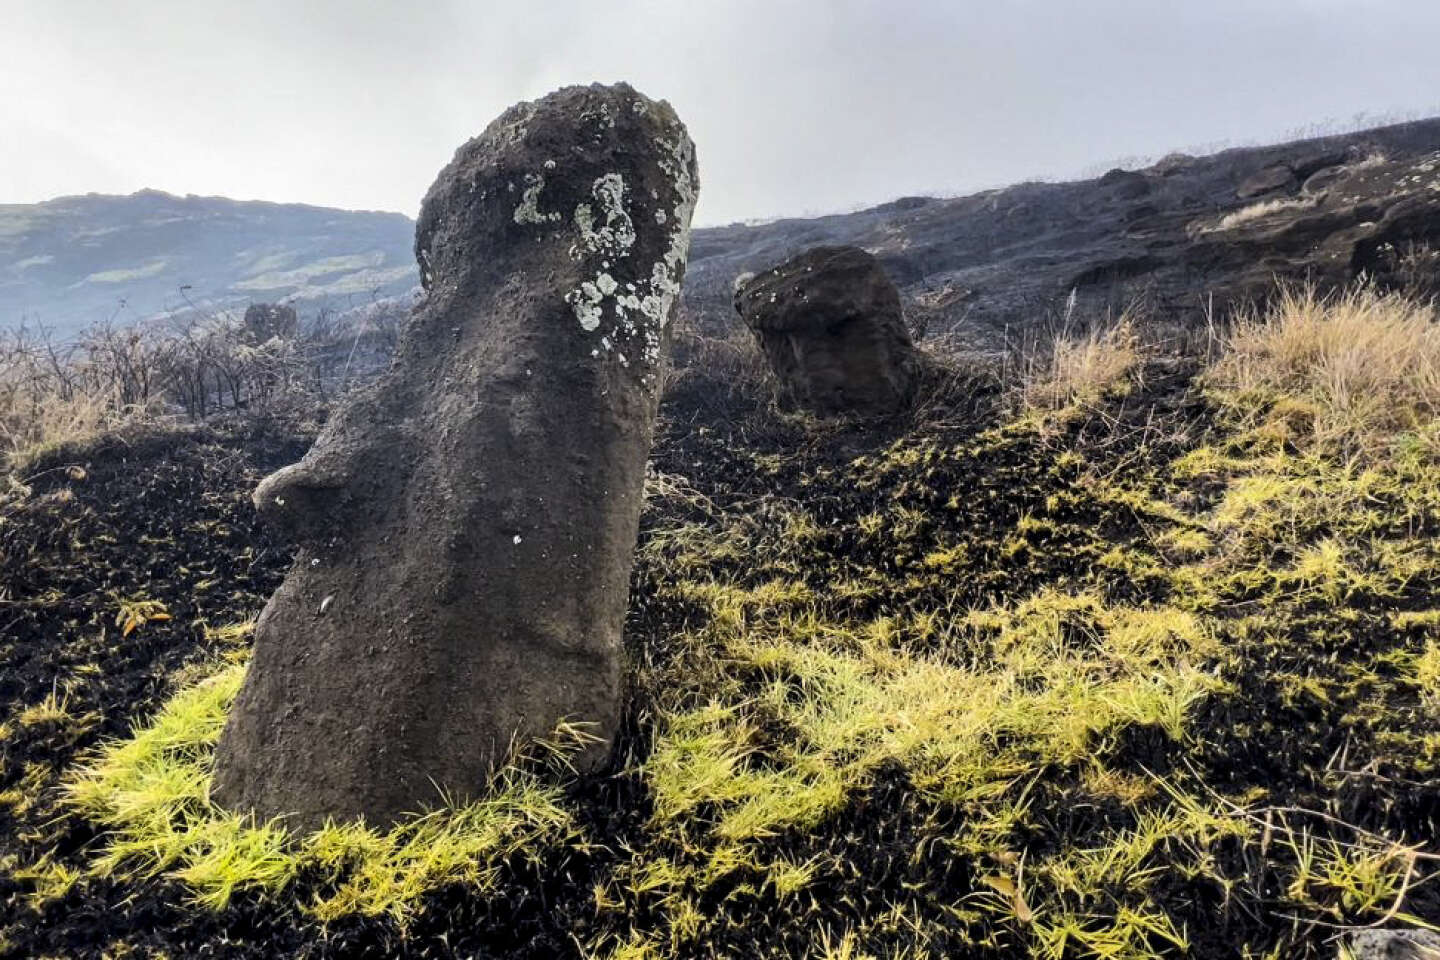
75, 261
1137, 657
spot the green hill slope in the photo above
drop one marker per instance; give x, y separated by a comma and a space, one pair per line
72, 261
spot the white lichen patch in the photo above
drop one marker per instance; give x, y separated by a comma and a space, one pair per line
638, 313
529, 209
612, 234
677, 160
513, 124
586, 303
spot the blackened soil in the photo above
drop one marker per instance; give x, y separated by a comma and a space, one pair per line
166, 517
161, 516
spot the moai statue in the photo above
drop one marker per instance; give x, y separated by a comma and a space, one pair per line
467, 523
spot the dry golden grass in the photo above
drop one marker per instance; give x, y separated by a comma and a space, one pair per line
1360, 370
1082, 370
35, 418
1255, 211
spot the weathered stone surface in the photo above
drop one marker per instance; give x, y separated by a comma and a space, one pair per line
467, 524
1391, 945
831, 325
1277, 177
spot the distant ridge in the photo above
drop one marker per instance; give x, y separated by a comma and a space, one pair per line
72, 261
1181, 235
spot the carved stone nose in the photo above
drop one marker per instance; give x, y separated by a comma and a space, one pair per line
301, 501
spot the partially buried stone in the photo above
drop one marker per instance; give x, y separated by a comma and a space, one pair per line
832, 327
466, 524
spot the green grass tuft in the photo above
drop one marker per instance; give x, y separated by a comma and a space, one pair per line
151, 792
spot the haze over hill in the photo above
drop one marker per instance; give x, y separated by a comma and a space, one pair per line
1180, 235
72, 261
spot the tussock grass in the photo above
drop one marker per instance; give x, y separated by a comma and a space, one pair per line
1082, 370
1095, 702
54, 709
1359, 370
151, 792
47, 879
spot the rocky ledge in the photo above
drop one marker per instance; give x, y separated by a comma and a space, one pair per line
1185, 235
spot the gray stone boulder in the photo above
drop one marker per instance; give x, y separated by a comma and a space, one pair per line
1391, 945
833, 330
466, 524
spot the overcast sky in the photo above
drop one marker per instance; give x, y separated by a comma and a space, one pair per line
796, 107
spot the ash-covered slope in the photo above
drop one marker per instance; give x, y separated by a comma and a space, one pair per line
71, 261
977, 265
1181, 235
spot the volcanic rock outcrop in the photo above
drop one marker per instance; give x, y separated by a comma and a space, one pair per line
467, 523
1186, 237
831, 325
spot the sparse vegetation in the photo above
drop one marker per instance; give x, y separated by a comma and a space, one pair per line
152, 790
731, 362
1079, 371
57, 393
1259, 210
1148, 669
48, 398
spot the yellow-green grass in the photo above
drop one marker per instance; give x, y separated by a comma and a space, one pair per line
152, 793
54, 709
1056, 675
1285, 556
998, 698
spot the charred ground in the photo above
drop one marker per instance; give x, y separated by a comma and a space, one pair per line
947, 540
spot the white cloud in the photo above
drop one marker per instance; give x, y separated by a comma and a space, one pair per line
801, 106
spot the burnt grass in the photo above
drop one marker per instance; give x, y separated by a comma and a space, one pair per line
166, 516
